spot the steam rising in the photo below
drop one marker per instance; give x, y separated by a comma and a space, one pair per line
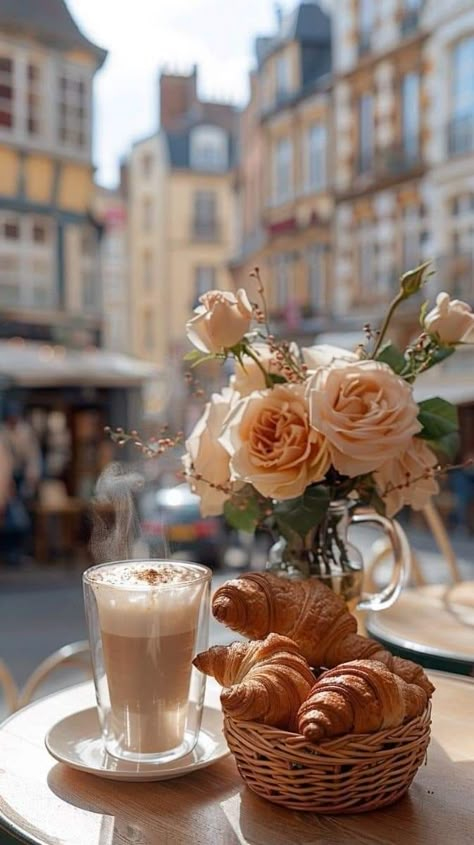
115, 524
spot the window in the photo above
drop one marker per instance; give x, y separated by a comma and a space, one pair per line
366, 257
461, 128
283, 170
147, 221
73, 106
147, 270
27, 262
411, 234
411, 115
204, 221
316, 278
282, 70
209, 148
282, 281
90, 271
148, 331
366, 24
34, 103
147, 164
316, 157
366, 133
6, 93
204, 280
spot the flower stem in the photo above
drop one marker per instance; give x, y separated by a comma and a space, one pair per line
383, 331
266, 375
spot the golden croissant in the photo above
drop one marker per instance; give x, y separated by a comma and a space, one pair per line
308, 612
362, 696
265, 681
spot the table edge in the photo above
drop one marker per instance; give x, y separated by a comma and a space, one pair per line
409, 645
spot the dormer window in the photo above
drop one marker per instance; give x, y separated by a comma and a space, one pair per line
209, 149
283, 84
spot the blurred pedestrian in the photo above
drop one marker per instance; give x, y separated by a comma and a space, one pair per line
21, 454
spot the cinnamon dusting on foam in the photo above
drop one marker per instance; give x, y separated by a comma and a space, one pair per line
143, 574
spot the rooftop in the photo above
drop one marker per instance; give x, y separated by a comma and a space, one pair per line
307, 24
48, 21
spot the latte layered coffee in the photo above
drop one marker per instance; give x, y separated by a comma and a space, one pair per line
148, 616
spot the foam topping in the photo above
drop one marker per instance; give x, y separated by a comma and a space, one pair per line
144, 574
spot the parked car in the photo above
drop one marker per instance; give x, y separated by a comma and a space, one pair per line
172, 526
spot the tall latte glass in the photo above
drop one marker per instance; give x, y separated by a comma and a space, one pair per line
147, 620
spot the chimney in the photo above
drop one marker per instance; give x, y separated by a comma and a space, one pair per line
178, 95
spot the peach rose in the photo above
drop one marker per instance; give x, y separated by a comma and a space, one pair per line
220, 321
326, 355
272, 445
408, 479
205, 455
450, 319
367, 413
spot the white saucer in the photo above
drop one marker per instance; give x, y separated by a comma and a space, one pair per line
76, 741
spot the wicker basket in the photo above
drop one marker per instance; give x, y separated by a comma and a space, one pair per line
350, 774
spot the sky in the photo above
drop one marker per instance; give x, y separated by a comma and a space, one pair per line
144, 36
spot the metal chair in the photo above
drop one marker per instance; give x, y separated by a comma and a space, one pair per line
9, 687
75, 654
382, 551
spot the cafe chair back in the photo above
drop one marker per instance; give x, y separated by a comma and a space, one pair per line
75, 655
9, 688
381, 552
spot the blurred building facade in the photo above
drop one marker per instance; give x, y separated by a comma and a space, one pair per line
404, 142
49, 240
110, 208
284, 185
356, 159
181, 215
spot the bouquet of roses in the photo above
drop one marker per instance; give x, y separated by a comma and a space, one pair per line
296, 429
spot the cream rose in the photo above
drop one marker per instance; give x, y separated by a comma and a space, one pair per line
272, 445
326, 355
220, 321
207, 458
367, 413
450, 319
408, 479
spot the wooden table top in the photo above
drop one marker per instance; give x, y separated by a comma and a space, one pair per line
46, 803
436, 621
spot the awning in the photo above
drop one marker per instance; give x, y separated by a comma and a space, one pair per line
30, 364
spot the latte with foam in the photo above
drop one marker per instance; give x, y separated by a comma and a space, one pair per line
148, 616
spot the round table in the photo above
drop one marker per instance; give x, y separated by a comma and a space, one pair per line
46, 803
432, 625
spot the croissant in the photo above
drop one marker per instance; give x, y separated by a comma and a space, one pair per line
308, 612
358, 697
265, 681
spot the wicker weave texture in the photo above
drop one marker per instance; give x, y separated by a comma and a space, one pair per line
350, 774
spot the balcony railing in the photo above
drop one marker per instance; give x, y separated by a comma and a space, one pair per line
461, 135
205, 230
395, 160
399, 158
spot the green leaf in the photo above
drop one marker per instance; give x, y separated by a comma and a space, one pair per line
440, 354
391, 355
192, 355
438, 418
300, 515
276, 378
243, 519
448, 446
